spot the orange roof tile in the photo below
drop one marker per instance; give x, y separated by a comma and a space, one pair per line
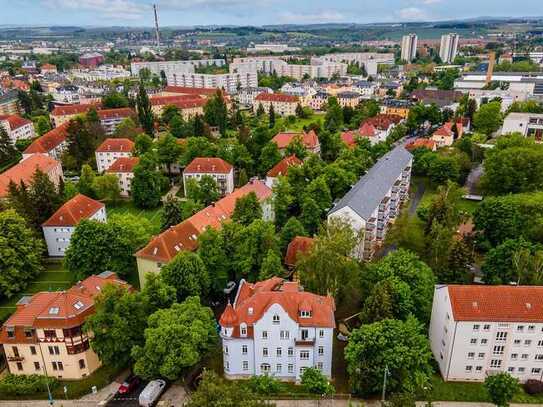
122, 112
309, 140
367, 130
177, 99
208, 165
24, 171
14, 121
191, 91
277, 97
118, 145
349, 137
75, 210
281, 168
421, 142
68, 110
300, 244
383, 121
48, 141
124, 164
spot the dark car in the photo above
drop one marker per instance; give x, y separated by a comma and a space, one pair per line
129, 384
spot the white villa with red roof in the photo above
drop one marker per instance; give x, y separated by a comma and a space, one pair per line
310, 141
44, 335
58, 229
376, 129
221, 171
17, 127
53, 143
110, 150
276, 328
281, 169
479, 330
123, 168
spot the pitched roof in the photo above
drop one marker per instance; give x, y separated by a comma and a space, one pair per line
68, 110
119, 145
208, 165
281, 168
367, 130
309, 140
349, 137
253, 300
501, 303
121, 112
371, 188
177, 100
124, 164
14, 121
277, 97
24, 171
444, 131
184, 236
300, 244
185, 90
49, 140
421, 142
74, 211
383, 121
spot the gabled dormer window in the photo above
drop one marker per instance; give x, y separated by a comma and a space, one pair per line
243, 330
305, 314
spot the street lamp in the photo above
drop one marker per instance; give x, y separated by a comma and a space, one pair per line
385, 374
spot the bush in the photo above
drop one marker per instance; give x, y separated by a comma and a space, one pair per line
264, 385
24, 385
533, 387
313, 381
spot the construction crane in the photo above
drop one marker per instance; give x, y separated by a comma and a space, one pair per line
156, 27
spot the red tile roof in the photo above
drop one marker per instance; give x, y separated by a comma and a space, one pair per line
48, 141
118, 145
14, 121
178, 100
122, 112
349, 137
68, 110
309, 140
501, 303
74, 211
276, 97
184, 90
208, 165
445, 130
281, 168
367, 130
300, 244
24, 171
124, 164
384, 121
421, 142
184, 236
253, 300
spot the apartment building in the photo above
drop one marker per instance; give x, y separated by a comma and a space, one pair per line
396, 107
58, 229
373, 203
318, 101
53, 143
349, 99
66, 94
281, 169
45, 333
448, 133
17, 127
204, 93
369, 60
409, 47
276, 328
184, 236
476, 331
448, 48
65, 113
123, 169
376, 129
188, 105
218, 169
9, 103
310, 141
174, 67
318, 67
25, 170
247, 96
111, 118
527, 124
284, 105
110, 150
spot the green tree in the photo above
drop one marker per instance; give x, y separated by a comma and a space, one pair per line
313, 381
7, 150
216, 113
269, 157
148, 183
175, 340
380, 304
501, 388
143, 144
260, 110
333, 120
145, 113
297, 148
114, 100
126, 129
20, 254
247, 209
399, 346
80, 145
212, 251
488, 118
271, 266
311, 214
42, 125
86, 181
156, 294
168, 151
171, 212
107, 188
188, 274
205, 191
293, 227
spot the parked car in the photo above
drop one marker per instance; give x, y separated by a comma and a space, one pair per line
151, 393
129, 384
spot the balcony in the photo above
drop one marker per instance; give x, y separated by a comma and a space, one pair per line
304, 342
79, 348
15, 358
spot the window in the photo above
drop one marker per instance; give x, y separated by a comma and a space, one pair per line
305, 334
498, 350
50, 333
245, 365
539, 343
278, 368
481, 355
279, 352
226, 350
284, 334
501, 336
320, 366
28, 332
304, 355
531, 328
539, 357
479, 368
516, 342
511, 369
471, 355
305, 314
495, 363
484, 341
37, 366
82, 363
60, 366
469, 368
10, 331
527, 342
32, 350
514, 356
264, 334
290, 368
536, 370
521, 369
265, 352
243, 331
321, 350
524, 356
276, 320
265, 368
290, 352
54, 365
476, 327
520, 328
19, 366
15, 351
473, 341
321, 333
302, 370
243, 349
227, 366
486, 327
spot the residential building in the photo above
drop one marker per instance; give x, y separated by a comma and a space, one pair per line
45, 334
274, 48
214, 167
171, 68
448, 48
365, 88
480, 330
318, 101
247, 96
409, 47
369, 60
309, 140
66, 94
376, 129
9, 102
349, 99
48, 69
373, 203
184, 236
188, 105
527, 124
58, 229
53, 143
111, 118
63, 114
298, 245
123, 168
448, 133
442, 98
101, 73
205, 93
284, 105
25, 170
17, 127
110, 150
281, 169
396, 107
91, 59
318, 67
276, 328
422, 143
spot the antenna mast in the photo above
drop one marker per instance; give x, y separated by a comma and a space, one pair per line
156, 27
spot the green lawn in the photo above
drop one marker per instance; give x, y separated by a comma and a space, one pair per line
127, 207
300, 123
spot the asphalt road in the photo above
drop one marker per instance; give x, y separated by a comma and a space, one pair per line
127, 400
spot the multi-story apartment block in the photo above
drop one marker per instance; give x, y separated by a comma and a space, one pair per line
373, 203
9, 102
375, 129
396, 107
448, 133
318, 101
53, 143
276, 328
476, 331
349, 99
409, 47
110, 150
205, 93
17, 128
281, 169
58, 229
66, 94
527, 124
188, 105
174, 67
369, 60
184, 236
448, 48
123, 168
111, 118
284, 105
25, 170
63, 114
221, 171
310, 140
365, 88
45, 334
247, 96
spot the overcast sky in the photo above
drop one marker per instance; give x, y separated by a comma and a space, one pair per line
254, 12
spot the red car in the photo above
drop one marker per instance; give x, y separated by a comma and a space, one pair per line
129, 384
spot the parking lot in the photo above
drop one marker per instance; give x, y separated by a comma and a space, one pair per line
127, 400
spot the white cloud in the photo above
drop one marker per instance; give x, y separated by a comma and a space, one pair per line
431, 1
115, 9
325, 16
221, 4
412, 14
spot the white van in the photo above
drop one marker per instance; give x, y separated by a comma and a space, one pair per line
151, 393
